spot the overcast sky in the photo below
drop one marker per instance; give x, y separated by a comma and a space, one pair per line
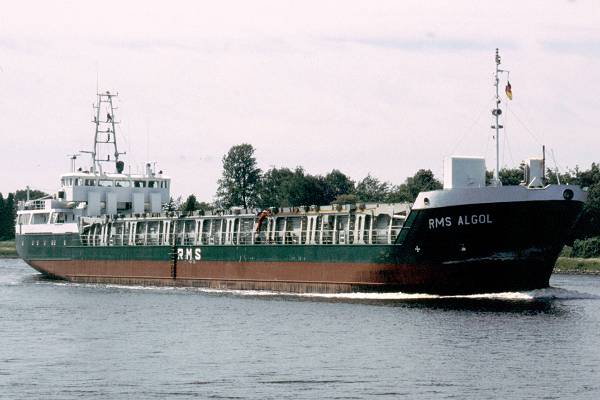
365, 87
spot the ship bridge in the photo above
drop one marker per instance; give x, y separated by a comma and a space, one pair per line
114, 193
99, 192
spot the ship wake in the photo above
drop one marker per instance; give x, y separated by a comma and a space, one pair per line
551, 293
547, 294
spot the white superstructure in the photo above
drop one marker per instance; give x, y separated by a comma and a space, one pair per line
94, 191
115, 193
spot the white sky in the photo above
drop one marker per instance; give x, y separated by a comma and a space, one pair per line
365, 87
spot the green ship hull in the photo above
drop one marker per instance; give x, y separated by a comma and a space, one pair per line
455, 259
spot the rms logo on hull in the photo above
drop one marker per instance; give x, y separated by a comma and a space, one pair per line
189, 254
446, 222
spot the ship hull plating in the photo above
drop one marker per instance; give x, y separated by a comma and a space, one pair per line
456, 279
466, 249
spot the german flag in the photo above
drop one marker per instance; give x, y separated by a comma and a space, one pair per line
508, 91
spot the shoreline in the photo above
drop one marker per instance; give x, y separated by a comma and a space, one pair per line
581, 266
8, 249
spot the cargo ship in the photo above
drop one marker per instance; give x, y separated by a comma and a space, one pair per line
106, 225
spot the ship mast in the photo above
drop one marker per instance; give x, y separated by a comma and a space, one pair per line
105, 136
496, 112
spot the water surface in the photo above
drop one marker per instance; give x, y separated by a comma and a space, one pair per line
61, 340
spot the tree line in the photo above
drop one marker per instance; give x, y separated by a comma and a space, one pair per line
8, 211
243, 184
7, 217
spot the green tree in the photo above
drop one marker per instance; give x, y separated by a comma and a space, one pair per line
7, 218
3, 223
586, 178
285, 188
566, 177
239, 183
204, 206
511, 176
586, 248
170, 205
274, 188
336, 184
370, 189
190, 204
508, 176
346, 199
303, 189
21, 195
399, 194
422, 181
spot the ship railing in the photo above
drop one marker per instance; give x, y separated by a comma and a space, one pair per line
91, 239
120, 239
116, 240
325, 237
32, 205
377, 236
35, 204
188, 239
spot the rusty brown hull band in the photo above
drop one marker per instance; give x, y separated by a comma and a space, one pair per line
305, 277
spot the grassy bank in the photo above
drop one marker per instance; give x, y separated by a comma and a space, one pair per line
577, 265
7, 249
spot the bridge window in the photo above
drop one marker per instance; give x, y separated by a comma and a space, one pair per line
41, 218
105, 183
90, 182
139, 184
58, 218
122, 184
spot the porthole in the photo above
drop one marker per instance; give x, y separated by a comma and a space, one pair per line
568, 194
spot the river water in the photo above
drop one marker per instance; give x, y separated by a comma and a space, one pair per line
78, 341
